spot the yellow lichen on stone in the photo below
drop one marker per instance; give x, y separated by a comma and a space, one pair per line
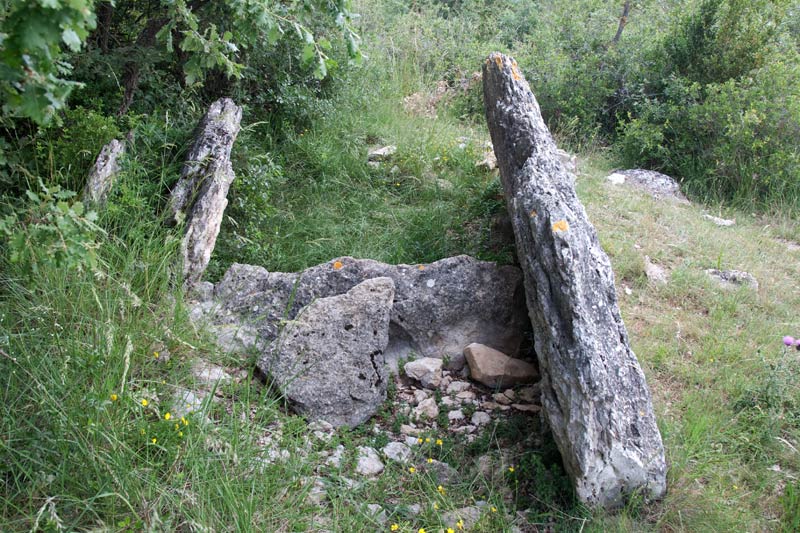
499, 61
561, 225
515, 73
533, 214
337, 265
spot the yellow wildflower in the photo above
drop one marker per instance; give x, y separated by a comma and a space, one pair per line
511, 469
440, 489
153, 440
435, 506
180, 434
427, 439
460, 524
494, 509
114, 397
144, 402
412, 469
421, 530
451, 530
177, 426
184, 421
394, 527
155, 354
419, 440
439, 442
430, 461
167, 416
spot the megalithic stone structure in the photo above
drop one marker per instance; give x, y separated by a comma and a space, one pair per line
593, 390
200, 196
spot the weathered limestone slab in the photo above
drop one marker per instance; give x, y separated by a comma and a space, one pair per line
103, 173
438, 307
200, 196
328, 362
657, 184
593, 389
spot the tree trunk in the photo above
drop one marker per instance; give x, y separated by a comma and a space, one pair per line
623, 21
130, 77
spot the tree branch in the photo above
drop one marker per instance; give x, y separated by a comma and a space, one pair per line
623, 21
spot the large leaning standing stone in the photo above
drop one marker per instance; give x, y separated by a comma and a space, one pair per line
593, 389
329, 362
200, 196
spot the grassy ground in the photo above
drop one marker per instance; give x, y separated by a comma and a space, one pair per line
724, 386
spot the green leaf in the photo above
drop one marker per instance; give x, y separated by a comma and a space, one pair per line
274, 33
322, 69
308, 53
33, 196
71, 39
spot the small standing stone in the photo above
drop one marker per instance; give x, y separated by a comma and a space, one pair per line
104, 173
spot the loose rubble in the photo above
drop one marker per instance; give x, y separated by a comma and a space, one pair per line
495, 369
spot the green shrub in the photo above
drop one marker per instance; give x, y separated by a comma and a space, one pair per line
722, 111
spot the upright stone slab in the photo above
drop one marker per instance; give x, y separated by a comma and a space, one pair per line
328, 361
593, 389
200, 196
103, 173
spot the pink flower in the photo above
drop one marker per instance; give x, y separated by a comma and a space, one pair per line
788, 341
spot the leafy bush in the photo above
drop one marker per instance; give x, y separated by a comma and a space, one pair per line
52, 232
722, 109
